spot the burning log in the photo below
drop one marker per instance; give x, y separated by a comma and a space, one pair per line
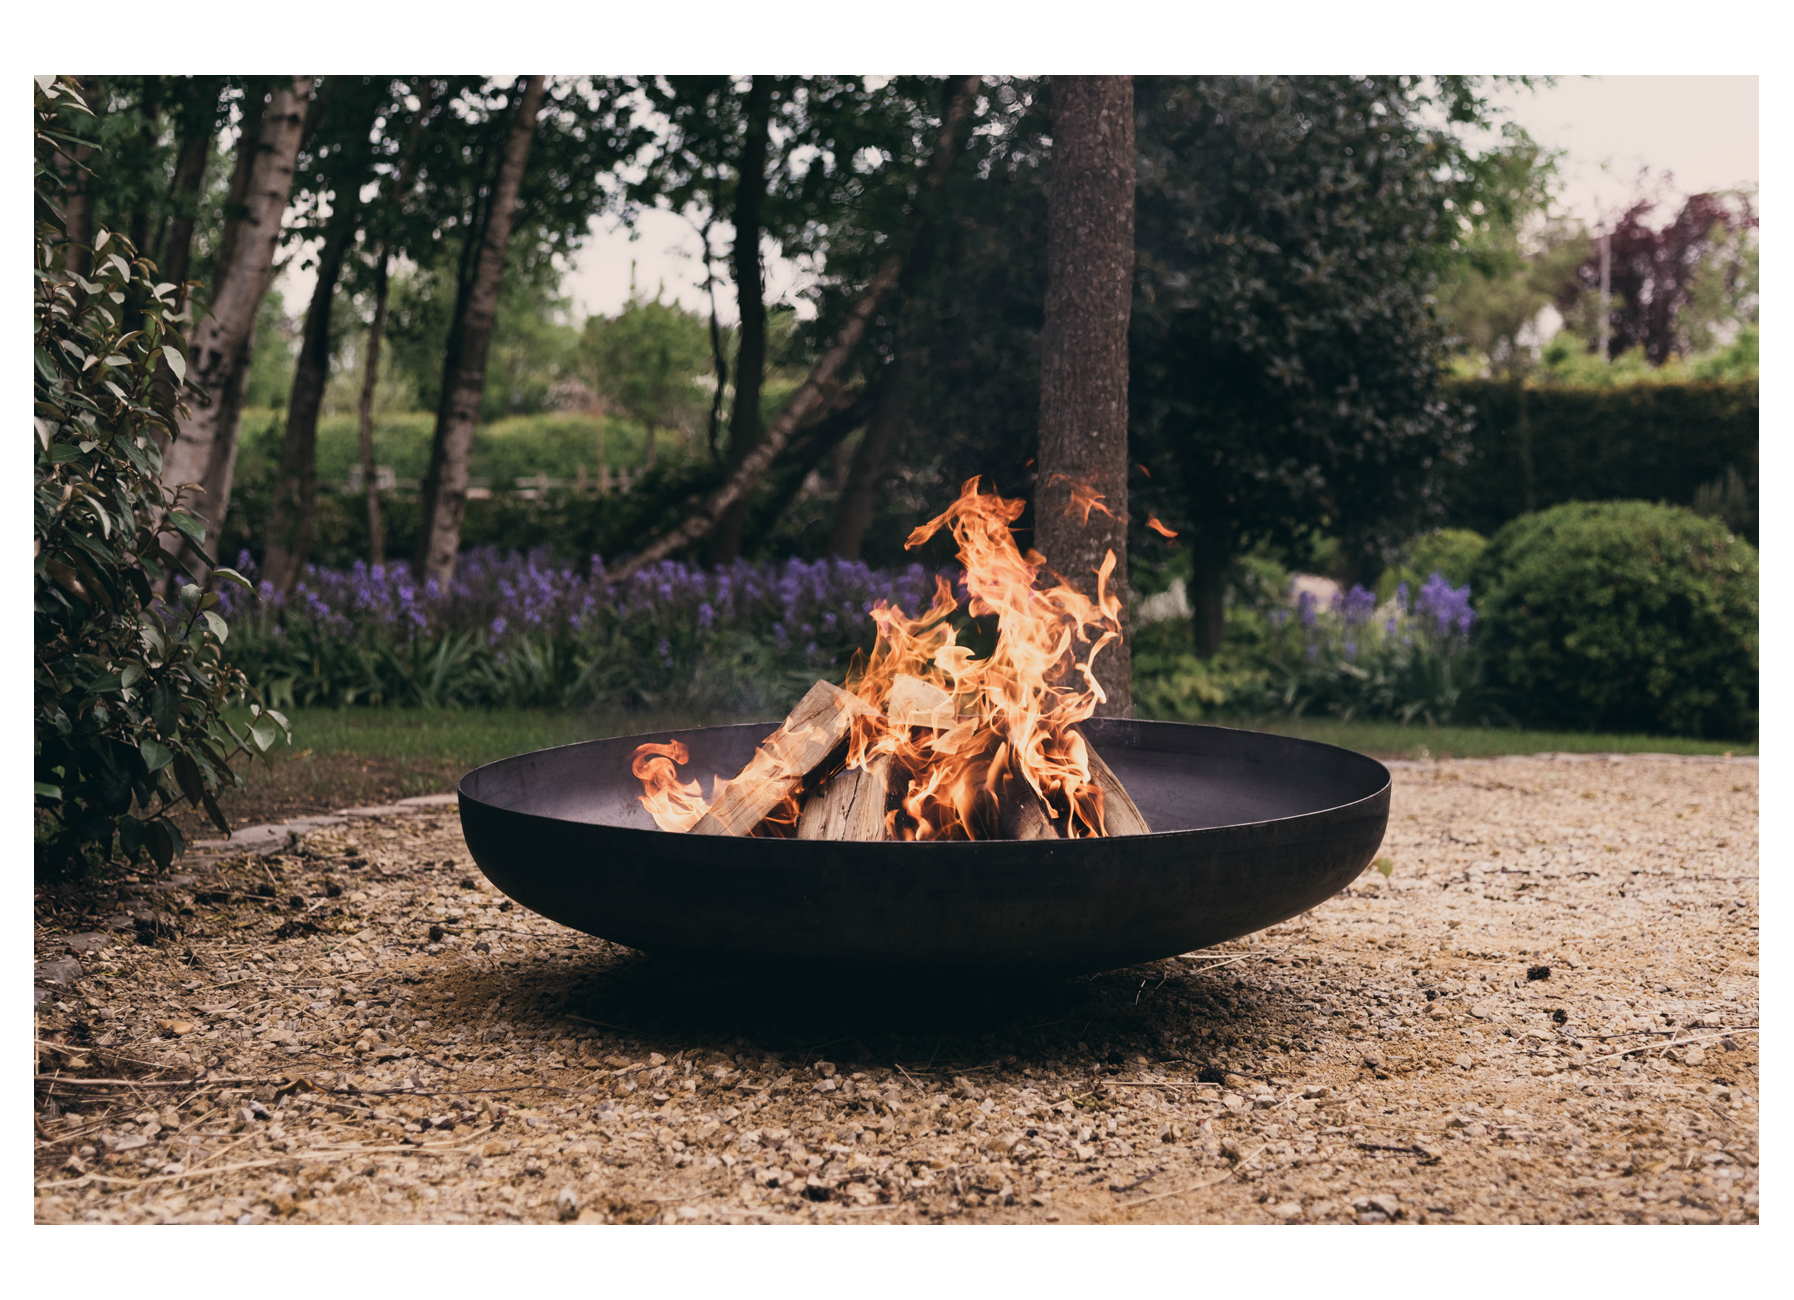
933, 740
1120, 814
851, 806
810, 734
916, 703
1023, 815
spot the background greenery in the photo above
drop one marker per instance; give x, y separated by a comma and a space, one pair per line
1340, 364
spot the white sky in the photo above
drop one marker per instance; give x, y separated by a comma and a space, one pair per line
1700, 131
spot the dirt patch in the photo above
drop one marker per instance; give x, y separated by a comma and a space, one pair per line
1544, 1013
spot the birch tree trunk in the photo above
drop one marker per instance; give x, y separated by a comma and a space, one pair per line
460, 411
1084, 362
204, 451
745, 430
821, 384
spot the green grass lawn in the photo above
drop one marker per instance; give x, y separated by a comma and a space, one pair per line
1391, 740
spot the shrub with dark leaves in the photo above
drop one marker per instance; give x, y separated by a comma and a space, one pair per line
127, 689
1623, 616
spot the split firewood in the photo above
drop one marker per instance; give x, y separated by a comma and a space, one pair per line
1121, 816
808, 736
913, 702
851, 806
1022, 814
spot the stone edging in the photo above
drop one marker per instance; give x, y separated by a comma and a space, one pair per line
274, 838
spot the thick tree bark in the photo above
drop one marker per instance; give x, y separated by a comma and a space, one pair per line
464, 385
365, 417
853, 509
822, 382
205, 450
1084, 364
745, 430
293, 512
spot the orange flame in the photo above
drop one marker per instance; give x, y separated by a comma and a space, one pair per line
1159, 528
675, 807
1084, 497
1016, 709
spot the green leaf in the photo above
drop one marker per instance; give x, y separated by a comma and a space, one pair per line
231, 575
186, 773
215, 812
131, 675
41, 790
156, 755
176, 362
62, 453
188, 526
264, 734
164, 707
220, 628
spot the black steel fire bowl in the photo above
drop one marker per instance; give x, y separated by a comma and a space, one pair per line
1249, 830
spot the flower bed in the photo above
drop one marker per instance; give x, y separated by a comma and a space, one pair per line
520, 630
1408, 658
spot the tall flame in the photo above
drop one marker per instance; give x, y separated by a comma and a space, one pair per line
1014, 710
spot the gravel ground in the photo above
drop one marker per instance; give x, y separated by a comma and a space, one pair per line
1544, 1013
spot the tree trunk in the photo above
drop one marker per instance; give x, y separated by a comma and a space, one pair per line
451, 366
807, 451
77, 195
745, 430
205, 449
1208, 592
821, 383
198, 123
853, 511
460, 410
369, 379
1084, 363
294, 510
149, 112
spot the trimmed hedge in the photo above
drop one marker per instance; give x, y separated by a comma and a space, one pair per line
1621, 616
1536, 447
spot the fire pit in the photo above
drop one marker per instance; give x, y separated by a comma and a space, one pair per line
1248, 830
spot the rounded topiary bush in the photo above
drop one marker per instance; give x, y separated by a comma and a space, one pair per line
1621, 616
